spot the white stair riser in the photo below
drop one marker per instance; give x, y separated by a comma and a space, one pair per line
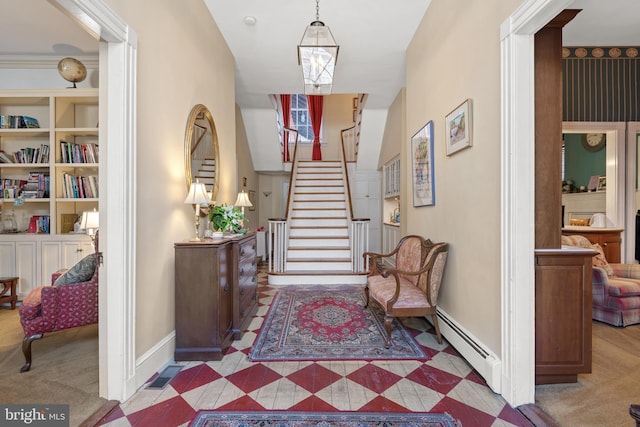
319, 170
317, 213
334, 164
318, 243
305, 232
314, 222
316, 189
320, 204
320, 266
319, 176
315, 254
303, 279
312, 183
318, 196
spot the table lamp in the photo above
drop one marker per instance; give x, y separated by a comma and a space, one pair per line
197, 196
242, 201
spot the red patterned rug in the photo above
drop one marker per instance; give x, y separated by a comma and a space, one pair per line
321, 419
329, 325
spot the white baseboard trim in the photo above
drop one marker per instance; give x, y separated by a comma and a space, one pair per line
477, 354
154, 359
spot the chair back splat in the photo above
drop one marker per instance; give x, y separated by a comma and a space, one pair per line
411, 288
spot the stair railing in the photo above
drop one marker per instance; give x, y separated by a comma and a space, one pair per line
278, 237
358, 228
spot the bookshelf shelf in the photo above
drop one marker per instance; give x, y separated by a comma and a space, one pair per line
66, 119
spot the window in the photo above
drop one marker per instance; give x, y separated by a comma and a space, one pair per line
300, 119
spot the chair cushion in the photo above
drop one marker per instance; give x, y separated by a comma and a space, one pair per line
82, 271
600, 261
623, 287
382, 290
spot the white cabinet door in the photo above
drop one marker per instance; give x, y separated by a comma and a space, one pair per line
72, 252
26, 267
7, 259
51, 260
366, 203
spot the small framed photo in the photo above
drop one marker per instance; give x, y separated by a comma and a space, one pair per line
459, 128
422, 166
602, 183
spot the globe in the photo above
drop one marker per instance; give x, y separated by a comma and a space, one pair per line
72, 70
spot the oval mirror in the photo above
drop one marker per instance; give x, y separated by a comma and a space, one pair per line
201, 151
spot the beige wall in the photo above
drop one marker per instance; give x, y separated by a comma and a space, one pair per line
455, 55
182, 60
394, 130
246, 170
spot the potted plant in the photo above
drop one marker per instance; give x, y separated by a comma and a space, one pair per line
226, 219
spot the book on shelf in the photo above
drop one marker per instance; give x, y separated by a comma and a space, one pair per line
4, 158
18, 122
79, 187
32, 155
71, 152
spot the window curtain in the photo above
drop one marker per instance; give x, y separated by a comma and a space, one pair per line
286, 118
315, 103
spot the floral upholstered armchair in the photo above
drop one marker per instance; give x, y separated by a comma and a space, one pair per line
411, 288
70, 301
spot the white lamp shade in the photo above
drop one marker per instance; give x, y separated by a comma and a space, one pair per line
197, 194
243, 200
318, 54
90, 221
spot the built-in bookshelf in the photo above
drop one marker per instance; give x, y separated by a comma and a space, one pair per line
49, 156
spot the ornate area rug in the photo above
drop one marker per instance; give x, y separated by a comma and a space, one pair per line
329, 325
321, 419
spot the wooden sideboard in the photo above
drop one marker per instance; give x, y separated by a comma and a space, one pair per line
215, 295
609, 239
562, 314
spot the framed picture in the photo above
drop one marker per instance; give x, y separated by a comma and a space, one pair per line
422, 166
602, 183
252, 199
459, 128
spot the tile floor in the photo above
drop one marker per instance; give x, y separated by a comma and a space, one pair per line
444, 383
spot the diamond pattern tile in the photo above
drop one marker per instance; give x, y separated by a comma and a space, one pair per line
443, 383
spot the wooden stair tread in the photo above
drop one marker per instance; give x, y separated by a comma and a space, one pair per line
319, 273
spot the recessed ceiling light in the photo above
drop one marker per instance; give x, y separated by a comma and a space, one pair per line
249, 20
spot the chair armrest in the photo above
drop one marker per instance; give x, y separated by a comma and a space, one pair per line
599, 283
57, 274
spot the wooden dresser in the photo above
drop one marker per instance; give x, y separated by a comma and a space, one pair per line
609, 239
215, 295
245, 279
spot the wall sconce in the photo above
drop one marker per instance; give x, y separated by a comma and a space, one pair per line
197, 196
266, 193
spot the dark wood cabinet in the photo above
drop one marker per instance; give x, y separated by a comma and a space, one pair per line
609, 239
245, 273
562, 314
215, 295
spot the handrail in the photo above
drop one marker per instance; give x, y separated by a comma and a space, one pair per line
293, 169
346, 175
286, 137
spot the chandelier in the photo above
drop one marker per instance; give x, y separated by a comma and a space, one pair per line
318, 54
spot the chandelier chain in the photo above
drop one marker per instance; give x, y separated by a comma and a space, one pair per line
317, 10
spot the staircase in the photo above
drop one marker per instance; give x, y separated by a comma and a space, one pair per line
206, 173
318, 250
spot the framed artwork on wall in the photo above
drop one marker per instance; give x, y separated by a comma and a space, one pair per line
422, 167
252, 199
459, 128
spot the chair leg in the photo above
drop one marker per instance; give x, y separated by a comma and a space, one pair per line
366, 296
434, 316
26, 349
388, 323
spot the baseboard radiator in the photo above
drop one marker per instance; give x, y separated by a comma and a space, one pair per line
486, 363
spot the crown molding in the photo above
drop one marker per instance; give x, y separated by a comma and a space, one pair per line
43, 61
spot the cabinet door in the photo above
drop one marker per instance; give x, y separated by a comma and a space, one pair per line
72, 252
610, 243
26, 267
7, 259
51, 260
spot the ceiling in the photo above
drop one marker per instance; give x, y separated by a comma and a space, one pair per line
373, 36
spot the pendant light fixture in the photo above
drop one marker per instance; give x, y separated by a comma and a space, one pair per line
318, 54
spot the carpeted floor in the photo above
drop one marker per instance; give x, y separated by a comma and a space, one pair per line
320, 419
601, 398
323, 324
64, 368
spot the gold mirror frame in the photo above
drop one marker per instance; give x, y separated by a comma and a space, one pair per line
200, 144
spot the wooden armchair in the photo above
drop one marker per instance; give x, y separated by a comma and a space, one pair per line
411, 288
